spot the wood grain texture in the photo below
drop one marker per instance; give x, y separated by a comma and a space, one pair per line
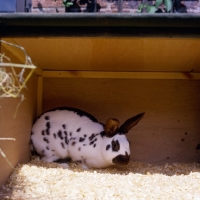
114, 54
39, 95
170, 129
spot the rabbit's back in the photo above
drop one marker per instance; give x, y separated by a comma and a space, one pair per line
62, 132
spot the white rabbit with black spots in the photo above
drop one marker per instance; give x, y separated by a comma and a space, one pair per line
68, 134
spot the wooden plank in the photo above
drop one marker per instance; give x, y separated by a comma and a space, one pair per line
114, 54
121, 75
18, 151
39, 95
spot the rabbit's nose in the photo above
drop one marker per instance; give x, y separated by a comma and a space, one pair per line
121, 159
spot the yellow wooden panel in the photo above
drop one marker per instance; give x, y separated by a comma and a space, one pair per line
114, 54
39, 95
172, 54
121, 75
19, 127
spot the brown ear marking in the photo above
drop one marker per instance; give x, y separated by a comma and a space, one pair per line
129, 123
111, 127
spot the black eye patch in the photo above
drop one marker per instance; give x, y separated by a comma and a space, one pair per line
107, 147
115, 145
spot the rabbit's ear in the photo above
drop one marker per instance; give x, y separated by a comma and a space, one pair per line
111, 127
129, 123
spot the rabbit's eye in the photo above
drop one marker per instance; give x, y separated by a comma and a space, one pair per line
115, 145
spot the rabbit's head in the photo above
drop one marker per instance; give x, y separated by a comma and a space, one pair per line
116, 147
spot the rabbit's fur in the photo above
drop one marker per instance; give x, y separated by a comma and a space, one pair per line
65, 134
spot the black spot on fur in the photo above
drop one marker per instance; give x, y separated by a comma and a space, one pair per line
63, 160
94, 145
54, 135
70, 134
60, 134
115, 145
65, 132
78, 130
84, 144
107, 147
103, 133
46, 140
81, 139
47, 132
46, 117
85, 135
64, 126
93, 136
62, 144
79, 148
31, 133
73, 143
121, 159
66, 140
42, 132
47, 148
91, 143
48, 125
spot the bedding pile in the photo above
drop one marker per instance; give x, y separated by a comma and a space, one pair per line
136, 181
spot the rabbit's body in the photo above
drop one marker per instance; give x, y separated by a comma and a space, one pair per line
67, 133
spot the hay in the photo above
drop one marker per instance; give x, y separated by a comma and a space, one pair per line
41, 181
12, 83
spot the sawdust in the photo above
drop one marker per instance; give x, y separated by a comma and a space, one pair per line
42, 181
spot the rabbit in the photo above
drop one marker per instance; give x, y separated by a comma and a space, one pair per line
69, 134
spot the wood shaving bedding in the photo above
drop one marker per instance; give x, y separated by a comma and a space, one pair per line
137, 181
